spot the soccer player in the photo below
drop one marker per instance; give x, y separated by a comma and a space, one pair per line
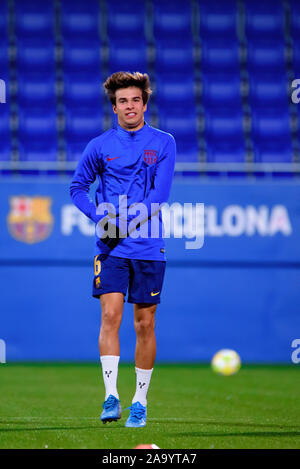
134, 164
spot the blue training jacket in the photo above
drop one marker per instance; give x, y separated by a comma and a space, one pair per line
138, 164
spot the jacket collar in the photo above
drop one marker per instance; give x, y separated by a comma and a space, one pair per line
132, 134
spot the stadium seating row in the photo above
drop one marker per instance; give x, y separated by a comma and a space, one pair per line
224, 134
76, 29
217, 19
83, 56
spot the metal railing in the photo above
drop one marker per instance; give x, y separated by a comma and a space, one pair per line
180, 167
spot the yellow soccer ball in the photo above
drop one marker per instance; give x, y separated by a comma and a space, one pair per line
226, 362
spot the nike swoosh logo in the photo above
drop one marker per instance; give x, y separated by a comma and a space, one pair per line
110, 159
154, 294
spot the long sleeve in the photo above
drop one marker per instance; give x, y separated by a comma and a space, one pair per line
87, 170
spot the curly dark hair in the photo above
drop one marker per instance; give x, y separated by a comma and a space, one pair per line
124, 80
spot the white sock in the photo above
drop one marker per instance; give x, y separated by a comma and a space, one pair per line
143, 378
110, 374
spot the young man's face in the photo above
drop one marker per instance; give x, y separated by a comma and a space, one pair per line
130, 108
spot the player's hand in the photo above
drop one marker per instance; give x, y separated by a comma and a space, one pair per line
111, 230
111, 235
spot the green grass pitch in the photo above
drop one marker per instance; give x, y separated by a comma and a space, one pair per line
58, 406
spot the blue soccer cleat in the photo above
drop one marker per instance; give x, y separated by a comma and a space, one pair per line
137, 416
111, 409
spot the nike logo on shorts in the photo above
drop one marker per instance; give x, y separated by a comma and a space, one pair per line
110, 159
154, 294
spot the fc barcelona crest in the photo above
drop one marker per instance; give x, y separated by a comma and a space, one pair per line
30, 219
150, 156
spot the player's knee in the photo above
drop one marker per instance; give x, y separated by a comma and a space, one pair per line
111, 318
144, 326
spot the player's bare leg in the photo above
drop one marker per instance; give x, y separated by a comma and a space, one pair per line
144, 324
109, 346
145, 352
111, 317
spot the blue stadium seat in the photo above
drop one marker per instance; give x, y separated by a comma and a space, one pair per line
4, 59
226, 152
175, 90
220, 90
172, 20
36, 124
80, 18
74, 150
38, 151
82, 90
128, 56
267, 90
38, 134
36, 91
295, 19
34, 19
266, 56
36, 57
220, 56
218, 19
224, 135
5, 144
126, 20
273, 152
82, 126
174, 57
187, 150
296, 57
81, 56
183, 127
3, 19
264, 19
271, 132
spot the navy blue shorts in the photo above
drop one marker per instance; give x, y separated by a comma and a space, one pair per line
142, 279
